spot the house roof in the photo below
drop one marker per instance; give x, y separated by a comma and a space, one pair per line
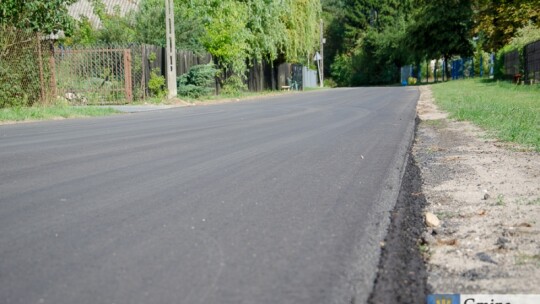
84, 8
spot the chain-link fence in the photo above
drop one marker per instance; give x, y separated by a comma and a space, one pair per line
100, 75
26, 68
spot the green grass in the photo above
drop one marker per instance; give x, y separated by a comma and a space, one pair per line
509, 112
523, 259
51, 112
239, 95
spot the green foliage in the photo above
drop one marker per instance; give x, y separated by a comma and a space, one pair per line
19, 68
500, 21
301, 19
198, 82
83, 34
329, 83
342, 70
374, 38
226, 35
156, 84
46, 16
234, 86
441, 29
189, 16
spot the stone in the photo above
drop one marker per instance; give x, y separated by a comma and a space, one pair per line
432, 220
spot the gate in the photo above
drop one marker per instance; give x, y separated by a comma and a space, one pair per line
94, 76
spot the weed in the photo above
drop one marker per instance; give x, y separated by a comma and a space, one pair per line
156, 84
523, 259
534, 202
56, 111
424, 249
446, 214
500, 200
436, 123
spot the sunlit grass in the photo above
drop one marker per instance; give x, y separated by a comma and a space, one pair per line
510, 112
51, 112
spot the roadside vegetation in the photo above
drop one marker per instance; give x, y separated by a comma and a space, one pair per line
17, 114
510, 112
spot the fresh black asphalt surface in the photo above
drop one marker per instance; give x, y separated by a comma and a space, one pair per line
277, 200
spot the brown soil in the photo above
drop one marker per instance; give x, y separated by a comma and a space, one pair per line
487, 195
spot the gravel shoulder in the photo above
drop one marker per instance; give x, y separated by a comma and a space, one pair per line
486, 195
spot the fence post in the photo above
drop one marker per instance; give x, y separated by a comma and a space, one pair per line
41, 76
52, 69
127, 75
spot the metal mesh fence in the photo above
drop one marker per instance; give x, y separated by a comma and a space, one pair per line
532, 61
100, 75
511, 63
26, 68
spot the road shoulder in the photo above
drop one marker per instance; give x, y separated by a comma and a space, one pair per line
486, 195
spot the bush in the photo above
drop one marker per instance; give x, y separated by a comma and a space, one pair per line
411, 80
341, 70
156, 84
198, 82
234, 85
330, 83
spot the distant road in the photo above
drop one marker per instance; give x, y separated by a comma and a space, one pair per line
278, 200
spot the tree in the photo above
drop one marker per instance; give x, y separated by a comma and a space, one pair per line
373, 41
189, 15
46, 16
441, 29
499, 20
334, 32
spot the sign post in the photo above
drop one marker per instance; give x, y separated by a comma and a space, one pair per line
318, 59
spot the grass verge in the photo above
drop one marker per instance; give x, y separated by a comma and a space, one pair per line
507, 111
51, 112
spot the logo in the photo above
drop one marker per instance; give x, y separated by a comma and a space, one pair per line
443, 299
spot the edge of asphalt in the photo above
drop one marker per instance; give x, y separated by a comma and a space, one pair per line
363, 277
402, 274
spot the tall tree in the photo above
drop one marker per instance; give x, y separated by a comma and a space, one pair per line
442, 29
498, 20
374, 33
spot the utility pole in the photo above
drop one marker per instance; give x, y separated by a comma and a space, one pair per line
171, 49
322, 54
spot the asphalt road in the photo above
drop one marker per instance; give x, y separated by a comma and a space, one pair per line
278, 200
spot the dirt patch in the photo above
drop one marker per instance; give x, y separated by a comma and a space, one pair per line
487, 195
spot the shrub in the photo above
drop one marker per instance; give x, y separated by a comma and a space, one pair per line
330, 83
234, 85
156, 84
411, 80
198, 82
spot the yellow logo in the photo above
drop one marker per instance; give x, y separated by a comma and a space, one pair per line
443, 301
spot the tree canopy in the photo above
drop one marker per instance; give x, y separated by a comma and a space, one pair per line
497, 21
48, 16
